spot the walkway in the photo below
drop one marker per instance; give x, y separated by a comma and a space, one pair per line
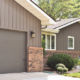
34, 76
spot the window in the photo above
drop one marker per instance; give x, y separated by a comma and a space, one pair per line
70, 42
50, 41
43, 41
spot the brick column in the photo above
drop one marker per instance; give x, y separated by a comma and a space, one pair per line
35, 59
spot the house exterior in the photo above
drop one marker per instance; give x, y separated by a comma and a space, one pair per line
66, 40
20, 36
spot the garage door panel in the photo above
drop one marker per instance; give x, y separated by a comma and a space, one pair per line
12, 51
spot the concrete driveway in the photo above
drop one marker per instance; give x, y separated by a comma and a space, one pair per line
34, 76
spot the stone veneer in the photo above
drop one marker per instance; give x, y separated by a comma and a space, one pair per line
35, 59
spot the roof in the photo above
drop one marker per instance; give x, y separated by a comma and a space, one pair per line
64, 23
36, 11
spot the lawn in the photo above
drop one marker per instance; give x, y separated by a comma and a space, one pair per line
77, 75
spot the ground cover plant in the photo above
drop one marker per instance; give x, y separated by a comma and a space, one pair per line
77, 75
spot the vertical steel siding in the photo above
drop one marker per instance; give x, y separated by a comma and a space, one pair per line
62, 37
15, 17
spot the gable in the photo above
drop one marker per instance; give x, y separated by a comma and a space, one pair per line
15, 17
71, 29
36, 11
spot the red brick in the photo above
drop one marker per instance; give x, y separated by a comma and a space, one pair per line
35, 59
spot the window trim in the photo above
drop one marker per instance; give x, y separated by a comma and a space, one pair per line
73, 42
50, 41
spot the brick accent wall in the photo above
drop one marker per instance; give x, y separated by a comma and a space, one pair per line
74, 54
35, 59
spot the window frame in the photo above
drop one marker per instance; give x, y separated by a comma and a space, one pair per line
71, 48
50, 41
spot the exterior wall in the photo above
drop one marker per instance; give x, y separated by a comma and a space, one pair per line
62, 42
35, 59
62, 37
15, 17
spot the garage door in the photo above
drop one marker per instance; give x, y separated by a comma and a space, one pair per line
12, 51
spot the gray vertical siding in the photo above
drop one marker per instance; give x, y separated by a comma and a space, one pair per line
62, 37
15, 17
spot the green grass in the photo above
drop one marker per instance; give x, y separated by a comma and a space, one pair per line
77, 75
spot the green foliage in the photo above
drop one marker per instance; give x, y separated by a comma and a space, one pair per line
43, 46
77, 75
60, 65
76, 61
61, 8
61, 68
65, 70
65, 59
43, 43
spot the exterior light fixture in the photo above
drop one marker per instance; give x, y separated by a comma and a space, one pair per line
33, 35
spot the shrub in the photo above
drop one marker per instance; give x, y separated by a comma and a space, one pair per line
60, 65
76, 61
43, 46
61, 68
65, 59
79, 62
65, 70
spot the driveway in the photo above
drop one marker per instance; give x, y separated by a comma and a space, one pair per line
34, 76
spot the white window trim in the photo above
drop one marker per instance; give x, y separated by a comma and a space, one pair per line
50, 41
73, 42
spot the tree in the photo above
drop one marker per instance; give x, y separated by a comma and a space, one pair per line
61, 8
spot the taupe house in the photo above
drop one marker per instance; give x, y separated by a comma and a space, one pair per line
20, 36
66, 37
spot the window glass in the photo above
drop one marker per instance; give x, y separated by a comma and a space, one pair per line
48, 41
70, 42
43, 37
52, 42
43, 41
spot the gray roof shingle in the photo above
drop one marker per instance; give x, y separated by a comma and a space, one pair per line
62, 23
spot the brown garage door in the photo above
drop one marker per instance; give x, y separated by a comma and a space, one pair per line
12, 48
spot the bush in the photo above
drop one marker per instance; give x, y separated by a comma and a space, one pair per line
61, 68
43, 46
76, 61
60, 65
79, 62
65, 70
65, 59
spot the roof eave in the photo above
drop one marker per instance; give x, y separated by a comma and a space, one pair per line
36, 11
70, 23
